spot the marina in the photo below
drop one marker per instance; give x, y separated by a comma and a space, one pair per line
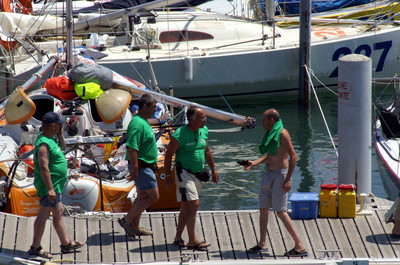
228, 217
230, 233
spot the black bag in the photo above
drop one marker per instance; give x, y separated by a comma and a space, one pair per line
203, 176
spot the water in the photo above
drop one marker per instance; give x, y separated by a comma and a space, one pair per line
317, 160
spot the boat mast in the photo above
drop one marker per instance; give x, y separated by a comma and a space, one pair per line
304, 52
68, 21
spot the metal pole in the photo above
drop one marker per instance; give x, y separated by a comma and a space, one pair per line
304, 51
68, 21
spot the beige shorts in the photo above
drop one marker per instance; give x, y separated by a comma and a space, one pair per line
187, 186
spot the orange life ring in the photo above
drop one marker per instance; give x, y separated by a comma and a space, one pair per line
24, 5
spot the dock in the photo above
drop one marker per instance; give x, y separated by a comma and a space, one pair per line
230, 233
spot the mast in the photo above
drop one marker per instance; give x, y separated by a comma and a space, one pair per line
121, 83
68, 21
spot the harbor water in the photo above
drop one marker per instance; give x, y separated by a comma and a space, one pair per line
317, 159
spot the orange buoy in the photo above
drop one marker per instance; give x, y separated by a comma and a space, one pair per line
29, 160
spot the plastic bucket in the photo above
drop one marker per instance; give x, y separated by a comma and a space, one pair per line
347, 201
328, 201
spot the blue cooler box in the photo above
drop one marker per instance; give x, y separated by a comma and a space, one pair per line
304, 205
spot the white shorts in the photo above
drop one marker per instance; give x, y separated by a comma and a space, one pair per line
187, 186
271, 193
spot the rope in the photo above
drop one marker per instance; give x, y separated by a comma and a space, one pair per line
322, 112
215, 85
239, 188
311, 72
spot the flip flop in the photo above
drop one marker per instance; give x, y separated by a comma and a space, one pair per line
257, 249
396, 236
180, 243
295, 253
202, 246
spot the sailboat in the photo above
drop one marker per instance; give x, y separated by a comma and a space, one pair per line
204, 55
94, 128
386, 139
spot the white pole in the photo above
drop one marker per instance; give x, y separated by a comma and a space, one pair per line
354, 114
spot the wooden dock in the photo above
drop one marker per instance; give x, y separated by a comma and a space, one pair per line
230, 233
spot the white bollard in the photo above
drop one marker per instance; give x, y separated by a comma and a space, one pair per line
354, 118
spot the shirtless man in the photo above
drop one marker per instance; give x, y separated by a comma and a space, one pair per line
276, 181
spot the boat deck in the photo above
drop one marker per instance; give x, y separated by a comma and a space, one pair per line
230, 233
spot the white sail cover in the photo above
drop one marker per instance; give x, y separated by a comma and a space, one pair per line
21, 25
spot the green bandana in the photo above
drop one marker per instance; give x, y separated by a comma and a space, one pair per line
270, 141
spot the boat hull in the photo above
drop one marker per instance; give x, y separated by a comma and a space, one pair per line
260, 71
387, 151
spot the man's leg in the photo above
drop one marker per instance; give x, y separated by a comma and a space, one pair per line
144, 200
187, 217
263, 227
58, 223
396, 217
39, 225
284, 216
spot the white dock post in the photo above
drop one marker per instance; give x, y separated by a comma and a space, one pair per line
354, 118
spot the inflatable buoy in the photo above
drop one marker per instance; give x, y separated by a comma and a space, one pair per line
28, 161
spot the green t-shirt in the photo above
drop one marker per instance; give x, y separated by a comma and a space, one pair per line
192, 146
57, 166
140, 136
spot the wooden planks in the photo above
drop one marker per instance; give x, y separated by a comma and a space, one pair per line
231, 234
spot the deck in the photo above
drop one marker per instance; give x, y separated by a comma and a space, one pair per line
229, 232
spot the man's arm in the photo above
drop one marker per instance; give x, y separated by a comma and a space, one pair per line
211, 164
61, 140
133, 159
261, 160
43, 159
171, 150
288, 146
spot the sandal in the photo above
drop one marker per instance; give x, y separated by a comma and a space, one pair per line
72, 245
295, 253
180, 243
40, 252
202, 246
258, 249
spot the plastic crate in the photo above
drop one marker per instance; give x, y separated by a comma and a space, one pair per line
304, 205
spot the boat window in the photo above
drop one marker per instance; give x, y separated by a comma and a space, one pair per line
43, 105
183, 35
93, 111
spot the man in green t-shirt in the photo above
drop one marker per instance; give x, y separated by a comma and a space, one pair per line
190, 145
142, 154
50, 177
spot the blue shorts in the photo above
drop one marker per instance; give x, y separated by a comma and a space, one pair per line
44, 201
146, 179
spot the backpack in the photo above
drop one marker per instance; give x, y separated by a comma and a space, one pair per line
60, 87
88, 90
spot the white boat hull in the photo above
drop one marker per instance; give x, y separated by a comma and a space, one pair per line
387, 151
260, 71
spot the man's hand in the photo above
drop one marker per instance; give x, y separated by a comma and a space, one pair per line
287, 185
215, 176
133, 175
249, 165
51, 194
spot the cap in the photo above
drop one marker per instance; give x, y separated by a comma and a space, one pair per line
52, 117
